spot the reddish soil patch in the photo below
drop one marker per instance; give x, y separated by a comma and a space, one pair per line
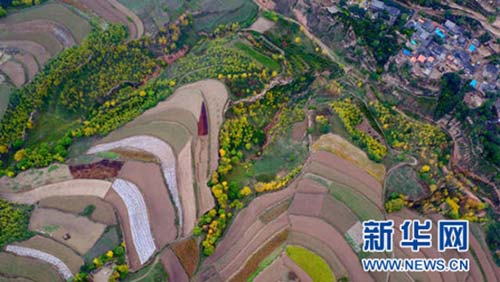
307, 204
104, 169
253, 263
203, 121
29, 63
14, 72
188, 253
76, 4
173, 267
299, 130
309, 186
61, 33
366, 127
160, 210
274, 212
170, 59
132, 256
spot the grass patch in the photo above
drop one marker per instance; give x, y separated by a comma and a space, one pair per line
5, 91
363, 208
52, 168
108, 241
224, 12
50, 127
284, 154
151, 273
50, 228
88, 211
259, 57
404, 181
315, 266
108, 155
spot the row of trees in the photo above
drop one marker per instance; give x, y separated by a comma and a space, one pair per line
351, 117
79, 80
241, 138
4, 4
115, 256
14, 221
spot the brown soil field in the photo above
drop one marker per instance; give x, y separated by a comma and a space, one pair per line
188, 253
103, 213
14, 279
307, 204
132, 256
201, 155
173, 267
112, 12
186, 188
46, 39
83, 232
38, 51
15, 72
61, 33
321, 230
138, 155
33, 178
75, 24
344, 172
103, 169
29, 268
337, 214
245, 220
29, 63
261, 25
186, 98
173, 114
77, 187
274, 272
299, 130
172, 133
237, 257
309, 186
322, 249
274, 212
160, 209
65, 254
301, 274
339, 146
253, 262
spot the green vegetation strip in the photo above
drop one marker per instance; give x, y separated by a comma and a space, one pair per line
315, 266
261, 58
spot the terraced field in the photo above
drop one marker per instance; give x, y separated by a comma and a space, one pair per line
32, 36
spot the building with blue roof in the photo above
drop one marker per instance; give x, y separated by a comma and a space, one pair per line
439, 33
473, 83
472, 48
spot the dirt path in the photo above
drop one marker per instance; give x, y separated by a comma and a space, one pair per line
276, 81
77, 187
140, 278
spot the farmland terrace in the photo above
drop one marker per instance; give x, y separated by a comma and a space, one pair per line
215, 141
